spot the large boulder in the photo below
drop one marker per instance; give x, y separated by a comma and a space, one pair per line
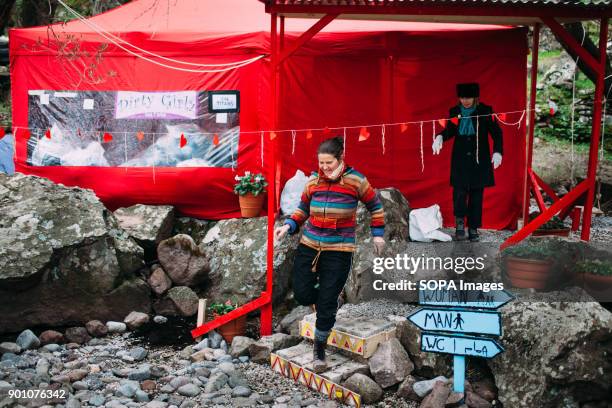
390, 363
557, 352
237, 250
184, 262
147, 224
432, 261
396, 216
178, 301
63, 259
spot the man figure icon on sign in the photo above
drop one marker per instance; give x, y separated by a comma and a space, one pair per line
458, 322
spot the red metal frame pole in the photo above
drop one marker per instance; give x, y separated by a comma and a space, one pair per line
532, 117
595, 131
266, 310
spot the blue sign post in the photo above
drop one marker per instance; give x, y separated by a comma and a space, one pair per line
445, 328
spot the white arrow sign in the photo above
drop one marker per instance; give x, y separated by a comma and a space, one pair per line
460, 345
457, 321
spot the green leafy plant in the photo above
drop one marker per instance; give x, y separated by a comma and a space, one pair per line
595, 267
219, 309
532, 251
555, 223
250, 183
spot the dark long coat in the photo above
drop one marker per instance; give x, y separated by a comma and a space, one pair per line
465, 171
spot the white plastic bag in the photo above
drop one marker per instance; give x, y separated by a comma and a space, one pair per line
292, 192
424, 224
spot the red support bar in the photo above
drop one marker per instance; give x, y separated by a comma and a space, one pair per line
536, 191
567, 200
306, 36
547, 189
595, 131
532, 117
562, 33
234, 314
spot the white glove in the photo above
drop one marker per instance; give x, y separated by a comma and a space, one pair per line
437, 144
496, 160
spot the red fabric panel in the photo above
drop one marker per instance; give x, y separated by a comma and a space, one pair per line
416, 84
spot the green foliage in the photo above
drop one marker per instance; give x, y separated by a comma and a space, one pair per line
250, 183
219, 309
554, 223
541, 251
595, 267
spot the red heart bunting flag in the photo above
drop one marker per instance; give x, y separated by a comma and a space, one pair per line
48, 134
455, 121
364, 134
216, 139
501, 116
309, 135
442, 122
107, 137
403, 127
272, 135
183, 141
140, 136
326, 131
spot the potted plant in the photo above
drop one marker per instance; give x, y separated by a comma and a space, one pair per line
250, 189
594, 274
554, 227
528, 265
229, 330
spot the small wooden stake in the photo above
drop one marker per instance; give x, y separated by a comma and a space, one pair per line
201, 315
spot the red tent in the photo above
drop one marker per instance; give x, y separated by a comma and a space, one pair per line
69, 82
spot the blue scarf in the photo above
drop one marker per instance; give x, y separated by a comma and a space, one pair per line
466, 127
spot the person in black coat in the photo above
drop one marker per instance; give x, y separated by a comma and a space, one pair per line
470, 123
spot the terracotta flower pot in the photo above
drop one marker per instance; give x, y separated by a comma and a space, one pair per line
250, 205
562, 232
236, 327
528, 273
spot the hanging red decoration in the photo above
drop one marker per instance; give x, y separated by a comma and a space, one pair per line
107, 137
272, 135
183, 141
48, 134
364, 134
501, 116
140, 136
442, 122
2, 132
403, 127
455, 121
309, 135
216, 139
326, 131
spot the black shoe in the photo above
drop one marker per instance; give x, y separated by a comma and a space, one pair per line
459, 229
474, 237
318, 364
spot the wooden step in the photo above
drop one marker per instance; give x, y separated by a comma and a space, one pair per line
359, 336
296, 363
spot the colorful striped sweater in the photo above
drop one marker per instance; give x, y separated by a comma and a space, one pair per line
331, 208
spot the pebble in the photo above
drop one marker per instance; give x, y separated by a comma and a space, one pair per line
138, 353
189, 390
27, 340
241, 391
96, 400
160, 319
116, 327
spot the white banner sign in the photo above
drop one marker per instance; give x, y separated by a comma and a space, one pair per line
157, 105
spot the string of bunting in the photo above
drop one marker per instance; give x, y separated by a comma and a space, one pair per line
364, 133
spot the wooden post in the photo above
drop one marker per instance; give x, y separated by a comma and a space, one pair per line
201, 315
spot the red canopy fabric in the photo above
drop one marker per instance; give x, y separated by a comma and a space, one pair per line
354, 73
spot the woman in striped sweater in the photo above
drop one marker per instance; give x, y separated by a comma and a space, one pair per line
328, 208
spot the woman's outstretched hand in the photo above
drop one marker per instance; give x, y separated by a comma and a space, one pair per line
280, 232
379, 245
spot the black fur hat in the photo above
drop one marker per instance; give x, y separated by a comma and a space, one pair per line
468, 90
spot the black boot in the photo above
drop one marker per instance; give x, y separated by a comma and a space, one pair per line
318, 364
474, 237
459, 229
